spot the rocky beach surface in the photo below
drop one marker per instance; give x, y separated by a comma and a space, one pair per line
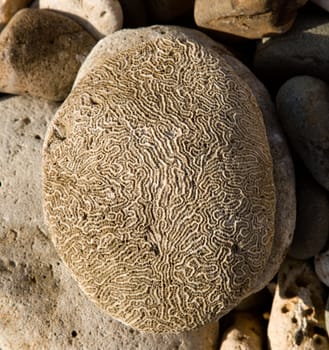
164, 175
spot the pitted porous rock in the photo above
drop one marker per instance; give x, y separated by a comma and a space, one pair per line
297, 315
245, 333
158, 184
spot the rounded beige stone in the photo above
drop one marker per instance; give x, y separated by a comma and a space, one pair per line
253, 19
158, 184
41, 53
99, 17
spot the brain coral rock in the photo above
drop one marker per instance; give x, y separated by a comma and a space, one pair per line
158, 184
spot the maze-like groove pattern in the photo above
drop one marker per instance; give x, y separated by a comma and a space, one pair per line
158, 186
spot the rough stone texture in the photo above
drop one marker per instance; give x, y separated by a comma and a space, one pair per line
98, 17
303, 107
312, 224
25, 120
251, 19
167, 10
302, 50
23, 276
321, 264
322, 3
41, 54
8, 8
153, 206
41, 306
297, 317
245, 333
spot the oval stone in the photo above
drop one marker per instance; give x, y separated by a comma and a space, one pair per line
158, 183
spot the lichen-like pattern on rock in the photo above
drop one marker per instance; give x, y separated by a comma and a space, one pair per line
158, 186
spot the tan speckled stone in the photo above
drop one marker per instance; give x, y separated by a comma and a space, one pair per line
41, 52
99, 17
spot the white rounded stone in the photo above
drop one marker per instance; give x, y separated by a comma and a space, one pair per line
99, 17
